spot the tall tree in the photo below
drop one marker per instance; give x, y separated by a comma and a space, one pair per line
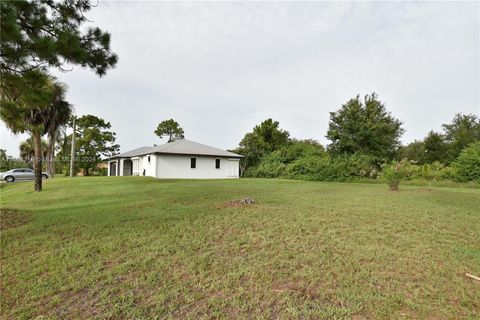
264, 139
45, 33
171, 129
413, 151
52, 112
463, 130
57, 116
36, 35
22, 101
94, 141
364, 126
435, 148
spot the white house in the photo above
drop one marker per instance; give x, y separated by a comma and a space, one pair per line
183, 159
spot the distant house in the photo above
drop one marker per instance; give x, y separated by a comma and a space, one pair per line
183, 159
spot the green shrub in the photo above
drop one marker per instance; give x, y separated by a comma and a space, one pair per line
467, 164
274, 164
395, 172
270, 167
299, 149
12, 163
354, 166
311, 168
306, 160
306, 163
101, 172
250, 171
431, 172
448, 173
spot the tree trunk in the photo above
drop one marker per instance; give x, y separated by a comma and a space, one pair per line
243, 166
72, 151
51, 156
52, 161
37, 161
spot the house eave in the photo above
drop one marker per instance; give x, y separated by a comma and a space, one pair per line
236, 156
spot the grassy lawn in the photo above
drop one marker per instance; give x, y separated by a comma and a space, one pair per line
137, 247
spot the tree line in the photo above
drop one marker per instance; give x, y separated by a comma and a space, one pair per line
364, 143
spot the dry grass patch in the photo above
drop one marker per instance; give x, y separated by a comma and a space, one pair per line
10, 218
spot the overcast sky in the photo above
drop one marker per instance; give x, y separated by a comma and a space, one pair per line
221, 68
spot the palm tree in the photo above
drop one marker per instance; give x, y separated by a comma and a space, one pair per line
23, 97
57, 116
26, 105
27, 152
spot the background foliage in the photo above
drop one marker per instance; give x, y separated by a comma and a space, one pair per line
365, 145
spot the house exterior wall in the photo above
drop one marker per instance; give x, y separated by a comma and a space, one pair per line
149, 167
178, 166
137, 166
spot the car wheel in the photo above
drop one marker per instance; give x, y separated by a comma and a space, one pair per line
44, 176
9, 179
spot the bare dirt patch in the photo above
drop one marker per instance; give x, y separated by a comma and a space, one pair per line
10, 218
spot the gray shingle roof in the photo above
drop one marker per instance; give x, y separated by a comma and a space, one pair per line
134, 153
184, 146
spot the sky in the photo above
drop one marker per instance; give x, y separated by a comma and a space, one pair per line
220, 68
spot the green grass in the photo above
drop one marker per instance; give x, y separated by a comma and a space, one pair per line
119, 247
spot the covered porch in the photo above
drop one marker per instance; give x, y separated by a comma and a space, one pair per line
124, 167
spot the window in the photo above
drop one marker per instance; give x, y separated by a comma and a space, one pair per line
217, 163
193, 163
148, 158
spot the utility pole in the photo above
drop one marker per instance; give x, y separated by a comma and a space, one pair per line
72, 152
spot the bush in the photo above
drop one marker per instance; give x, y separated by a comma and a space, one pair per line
311, 168
354, 166
101, 172
467, 164
431, 172
274, 164
250, 171
11, 163
306, 162
270, 167
299, 149
395, 172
